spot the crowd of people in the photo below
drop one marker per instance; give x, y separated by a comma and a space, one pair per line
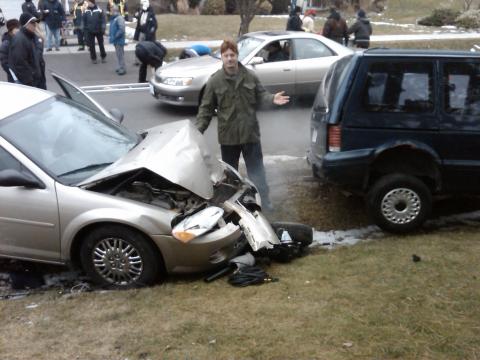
335, 27
24, 42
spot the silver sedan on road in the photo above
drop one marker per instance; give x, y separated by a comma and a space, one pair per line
77, 187
305, 59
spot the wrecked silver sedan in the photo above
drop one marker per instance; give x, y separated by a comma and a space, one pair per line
77, 187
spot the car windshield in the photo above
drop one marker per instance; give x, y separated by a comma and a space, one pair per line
66, 139
333, 80
246, 45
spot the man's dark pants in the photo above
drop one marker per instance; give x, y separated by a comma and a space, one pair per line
91, 44
252, 154
142, 72
80, 37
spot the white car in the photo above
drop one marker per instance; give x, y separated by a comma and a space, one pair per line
306, 59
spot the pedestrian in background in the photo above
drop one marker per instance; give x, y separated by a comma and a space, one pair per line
54, 16
29, 7
122, 6
78, 10
336, 28
2, 22
117, 37
150, 53
13, 25
309, 20
26, 54
294, 22
146, 23
362, 29
94, 25
235, 92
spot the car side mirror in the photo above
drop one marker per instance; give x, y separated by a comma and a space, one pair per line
11, 178
256, 60
117, 115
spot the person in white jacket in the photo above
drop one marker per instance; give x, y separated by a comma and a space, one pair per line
308, 22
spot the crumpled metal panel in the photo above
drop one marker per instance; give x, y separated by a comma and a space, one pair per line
176, 151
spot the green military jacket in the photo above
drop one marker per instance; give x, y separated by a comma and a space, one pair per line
236, 101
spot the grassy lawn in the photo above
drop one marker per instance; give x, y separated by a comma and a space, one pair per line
370, 301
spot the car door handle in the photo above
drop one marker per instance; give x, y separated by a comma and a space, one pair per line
287, 69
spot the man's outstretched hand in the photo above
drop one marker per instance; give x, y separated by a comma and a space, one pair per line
280, 99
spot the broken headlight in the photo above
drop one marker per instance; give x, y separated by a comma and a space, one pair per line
197, 224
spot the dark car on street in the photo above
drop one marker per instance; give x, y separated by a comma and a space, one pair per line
399, 126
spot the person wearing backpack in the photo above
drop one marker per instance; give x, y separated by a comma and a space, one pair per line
117, 37
362, 29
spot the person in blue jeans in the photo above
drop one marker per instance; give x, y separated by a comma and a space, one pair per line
54, 16
117, 37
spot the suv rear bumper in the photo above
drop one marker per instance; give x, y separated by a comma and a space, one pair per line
348, 169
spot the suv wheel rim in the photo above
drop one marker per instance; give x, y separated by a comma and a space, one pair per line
401, 206
117, 261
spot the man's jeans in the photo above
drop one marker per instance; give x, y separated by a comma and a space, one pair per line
119, 51
52, 33
252, 154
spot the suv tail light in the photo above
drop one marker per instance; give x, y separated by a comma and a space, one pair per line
334, 137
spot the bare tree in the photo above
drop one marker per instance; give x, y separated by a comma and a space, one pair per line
467, 4
247, 10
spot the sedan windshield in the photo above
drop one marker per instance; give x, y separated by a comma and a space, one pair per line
246, 45
66, 139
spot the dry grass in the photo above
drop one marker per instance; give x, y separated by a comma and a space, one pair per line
372, 297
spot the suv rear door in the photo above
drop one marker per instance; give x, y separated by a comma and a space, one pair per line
459, 139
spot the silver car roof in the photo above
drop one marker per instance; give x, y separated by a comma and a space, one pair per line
15, 98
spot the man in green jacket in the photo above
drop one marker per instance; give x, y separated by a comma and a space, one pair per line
235, 92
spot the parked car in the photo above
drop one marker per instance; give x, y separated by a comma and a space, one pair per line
305, 59
399, 126
77, 187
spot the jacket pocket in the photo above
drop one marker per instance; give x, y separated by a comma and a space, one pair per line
249, 92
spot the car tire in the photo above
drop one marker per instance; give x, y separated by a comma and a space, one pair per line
104, 258
399, 203
298, 232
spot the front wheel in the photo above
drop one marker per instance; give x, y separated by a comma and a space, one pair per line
399, 203
114, 255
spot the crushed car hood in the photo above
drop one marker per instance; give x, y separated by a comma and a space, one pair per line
175, 151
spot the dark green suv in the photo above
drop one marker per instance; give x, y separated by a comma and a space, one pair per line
399, 126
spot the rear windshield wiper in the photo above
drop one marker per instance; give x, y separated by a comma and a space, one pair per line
85, 168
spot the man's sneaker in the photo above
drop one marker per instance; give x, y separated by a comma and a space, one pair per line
104, 61
94, 61
57, 49
121, 72
81, 48
48, 49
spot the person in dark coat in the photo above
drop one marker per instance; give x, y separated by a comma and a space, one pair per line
362, 29
336, 28
54, 16
146, 23
13, 26
294, 22
26, 54
150, 53
78, 11
94, 24
29, 7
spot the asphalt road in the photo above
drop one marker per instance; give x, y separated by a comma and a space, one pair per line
285, 130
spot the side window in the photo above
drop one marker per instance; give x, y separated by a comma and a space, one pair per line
399, 87
7, 161
278, 50
310, 49
461, 88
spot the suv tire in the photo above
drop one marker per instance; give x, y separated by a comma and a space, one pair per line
399, 203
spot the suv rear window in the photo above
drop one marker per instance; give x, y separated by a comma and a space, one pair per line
399, 87
462, 88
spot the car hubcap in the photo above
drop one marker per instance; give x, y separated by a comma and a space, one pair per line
401, 206
117, 261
